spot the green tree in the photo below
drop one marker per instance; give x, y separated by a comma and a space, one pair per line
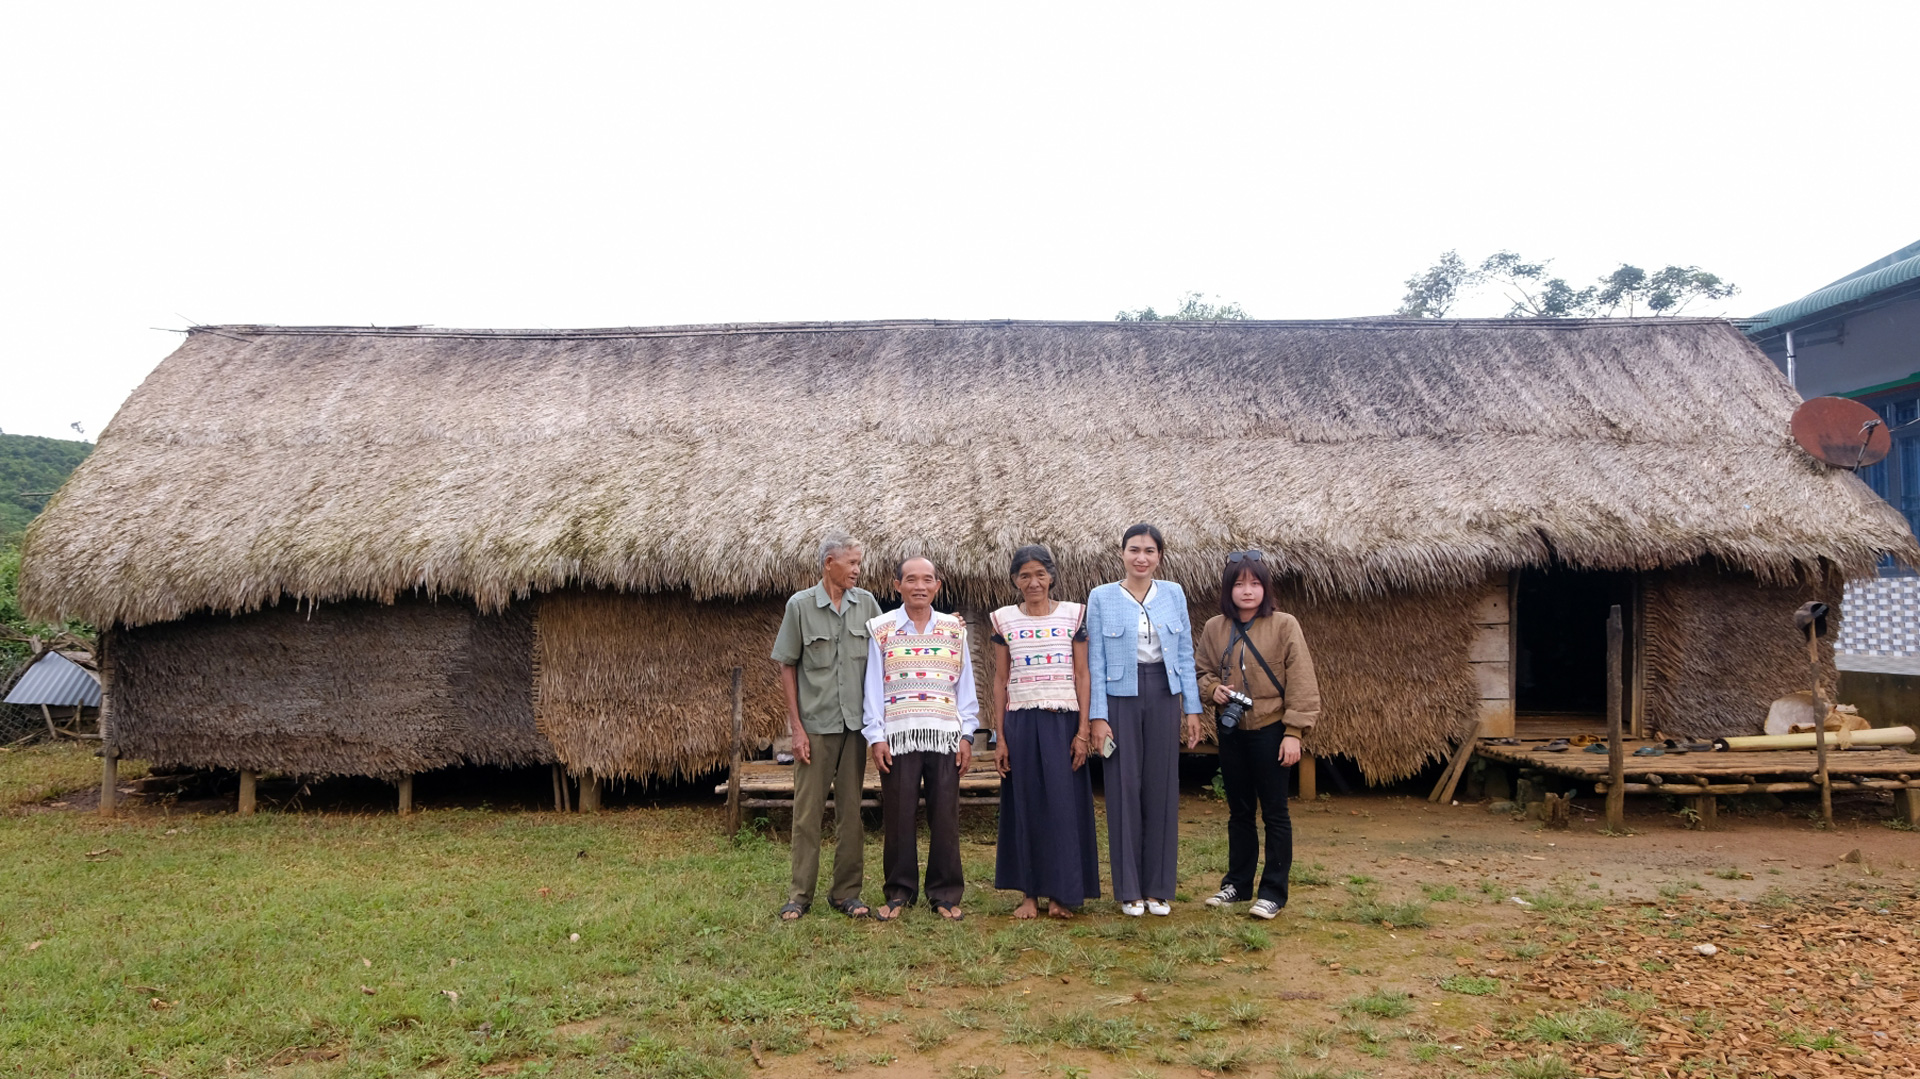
1193, 308
1531, 291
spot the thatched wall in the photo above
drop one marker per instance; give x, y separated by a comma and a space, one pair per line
1720, 647
1396, 685
343, 689
632, 686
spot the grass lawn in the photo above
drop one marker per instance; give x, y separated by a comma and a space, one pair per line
476, 942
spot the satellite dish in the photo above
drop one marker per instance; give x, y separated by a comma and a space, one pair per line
1842, 432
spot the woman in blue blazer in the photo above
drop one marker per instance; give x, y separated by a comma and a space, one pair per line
1140, 652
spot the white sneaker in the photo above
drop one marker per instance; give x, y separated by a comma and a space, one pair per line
1227, 894
1264, 909
1134, 909
1158, 908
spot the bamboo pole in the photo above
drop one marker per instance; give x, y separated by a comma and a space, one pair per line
1790, 786
733, 764
47, 714
109, 782
1616, 750
1820, 726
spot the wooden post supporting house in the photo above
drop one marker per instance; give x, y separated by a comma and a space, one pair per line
733, 766
406, 795
1616, 751
109, 782
248, 777
1906, 804
1309, 777
589, 793
1820, 727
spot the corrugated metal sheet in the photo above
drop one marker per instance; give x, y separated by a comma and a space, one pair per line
56, 680
1834, 295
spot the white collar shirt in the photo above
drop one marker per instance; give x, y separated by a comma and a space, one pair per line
1147, 648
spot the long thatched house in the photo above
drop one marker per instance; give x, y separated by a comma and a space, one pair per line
335, 550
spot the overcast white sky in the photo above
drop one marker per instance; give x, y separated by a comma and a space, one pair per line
623, 164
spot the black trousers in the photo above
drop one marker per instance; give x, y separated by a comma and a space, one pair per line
1251, 770
900, 792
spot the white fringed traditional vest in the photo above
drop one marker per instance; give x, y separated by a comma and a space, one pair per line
920, 680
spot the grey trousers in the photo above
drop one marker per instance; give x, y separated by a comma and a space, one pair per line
1143, 789
839, 762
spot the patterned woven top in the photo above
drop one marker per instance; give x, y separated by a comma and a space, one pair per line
1041, 650
920, 680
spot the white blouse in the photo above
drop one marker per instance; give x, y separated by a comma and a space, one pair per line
1147, 648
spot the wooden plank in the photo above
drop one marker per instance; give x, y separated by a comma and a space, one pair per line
1496, 718
1491, 607
865, 803
1489, 644
1492, 680
1763, 762
1616, 749
1456, 765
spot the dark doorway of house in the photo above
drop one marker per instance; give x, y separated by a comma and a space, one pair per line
1560, 639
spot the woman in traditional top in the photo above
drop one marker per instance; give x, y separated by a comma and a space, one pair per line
1140, 658
1047, 845
1255, 669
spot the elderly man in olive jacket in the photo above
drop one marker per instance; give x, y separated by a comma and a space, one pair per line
822, 652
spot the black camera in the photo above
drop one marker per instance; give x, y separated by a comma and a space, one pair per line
1236, 706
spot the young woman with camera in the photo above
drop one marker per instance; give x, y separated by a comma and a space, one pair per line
1140, 657
1255, 669
1047, 845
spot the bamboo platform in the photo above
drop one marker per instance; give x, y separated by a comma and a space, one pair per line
766, 785
1704, 776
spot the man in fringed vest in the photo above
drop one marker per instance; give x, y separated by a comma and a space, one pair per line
921, 714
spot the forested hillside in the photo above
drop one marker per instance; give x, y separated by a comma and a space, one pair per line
31, 469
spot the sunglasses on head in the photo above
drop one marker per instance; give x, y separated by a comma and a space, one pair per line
1250, 555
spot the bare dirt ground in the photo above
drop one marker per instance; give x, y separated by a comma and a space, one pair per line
1593, 972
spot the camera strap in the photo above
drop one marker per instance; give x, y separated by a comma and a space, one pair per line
1240, 631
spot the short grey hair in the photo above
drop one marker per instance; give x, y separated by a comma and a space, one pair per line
835, 542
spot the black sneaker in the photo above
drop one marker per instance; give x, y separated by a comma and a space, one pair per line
1227, 894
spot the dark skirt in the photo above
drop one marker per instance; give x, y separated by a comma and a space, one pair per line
1047, 845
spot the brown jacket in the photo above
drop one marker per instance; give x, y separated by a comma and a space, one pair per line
1296, 701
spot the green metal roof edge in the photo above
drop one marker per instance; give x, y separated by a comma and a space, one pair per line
1835, 295
1910, 380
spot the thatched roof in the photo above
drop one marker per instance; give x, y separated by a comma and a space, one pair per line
258, 463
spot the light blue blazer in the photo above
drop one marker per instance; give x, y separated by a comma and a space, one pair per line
1113, 645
